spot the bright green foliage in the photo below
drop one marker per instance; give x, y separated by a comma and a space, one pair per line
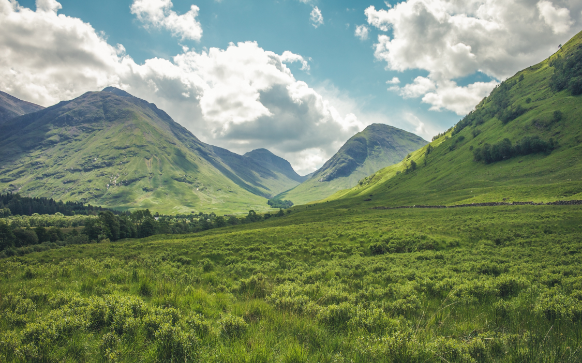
320, 285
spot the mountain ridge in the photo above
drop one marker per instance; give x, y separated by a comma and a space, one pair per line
136, 153
11, 107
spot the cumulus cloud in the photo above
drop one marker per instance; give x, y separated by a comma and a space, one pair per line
159, 14
241, 97
451, 39
558, 19
460, 100
316, 17
361, 32
419, 87
394, 80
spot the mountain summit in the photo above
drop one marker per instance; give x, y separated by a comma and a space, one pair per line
372, 149
116, 150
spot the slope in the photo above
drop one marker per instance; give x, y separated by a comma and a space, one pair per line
11, 107
521, 143
370, 150
112, 149
275, 163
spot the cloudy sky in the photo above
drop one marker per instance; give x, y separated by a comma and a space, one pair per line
298, 77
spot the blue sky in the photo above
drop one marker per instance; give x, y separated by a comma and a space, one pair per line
445, 56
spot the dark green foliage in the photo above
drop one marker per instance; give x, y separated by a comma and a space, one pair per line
510, 114
278, 203
18, 205
568, 72
504, 150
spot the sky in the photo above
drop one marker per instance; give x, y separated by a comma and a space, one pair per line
298, 77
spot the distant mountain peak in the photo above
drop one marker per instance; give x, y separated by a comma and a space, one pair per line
117, 91
274, 163
11, 107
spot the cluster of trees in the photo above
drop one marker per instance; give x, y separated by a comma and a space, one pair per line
505, 150
568, 73
278, 203
15, 204
15, 233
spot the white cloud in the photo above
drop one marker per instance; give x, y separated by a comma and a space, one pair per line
288, 57
241, 97
419, 87
460, 100
316, 17
558, 19
48, 5
361, 32
394, 80
159, 14
451, 39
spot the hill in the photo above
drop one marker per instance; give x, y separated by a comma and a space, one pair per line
370, 150
521, 143
11, 107
112, 149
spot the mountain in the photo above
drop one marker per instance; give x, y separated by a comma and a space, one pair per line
274, 163
375, 147
112, 149
11, 107
521, 143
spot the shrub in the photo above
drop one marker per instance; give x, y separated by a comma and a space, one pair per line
232, 326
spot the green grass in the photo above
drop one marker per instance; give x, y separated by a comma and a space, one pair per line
320, 285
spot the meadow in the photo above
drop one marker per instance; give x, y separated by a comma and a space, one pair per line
322, 284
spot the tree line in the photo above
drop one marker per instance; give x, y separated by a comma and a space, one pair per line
505, 150
15, 204
107, 226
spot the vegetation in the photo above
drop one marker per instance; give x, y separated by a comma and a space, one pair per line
278, 203
319, 285
20, 235
504, 150
15, 204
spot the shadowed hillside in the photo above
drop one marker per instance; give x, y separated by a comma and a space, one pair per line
11, 107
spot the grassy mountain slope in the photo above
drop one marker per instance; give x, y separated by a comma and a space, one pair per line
526, 105
275, 163
11, 107
375, 147
113, 149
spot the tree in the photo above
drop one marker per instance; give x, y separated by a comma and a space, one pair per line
219, 222
147, 227
111, 221
6, 236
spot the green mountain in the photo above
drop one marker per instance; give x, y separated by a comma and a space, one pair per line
521, 143
370, 150
11, 107
275, 163
112, 149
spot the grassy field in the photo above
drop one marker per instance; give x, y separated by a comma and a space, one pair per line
484, 284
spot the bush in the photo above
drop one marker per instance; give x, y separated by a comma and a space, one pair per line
232, 326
